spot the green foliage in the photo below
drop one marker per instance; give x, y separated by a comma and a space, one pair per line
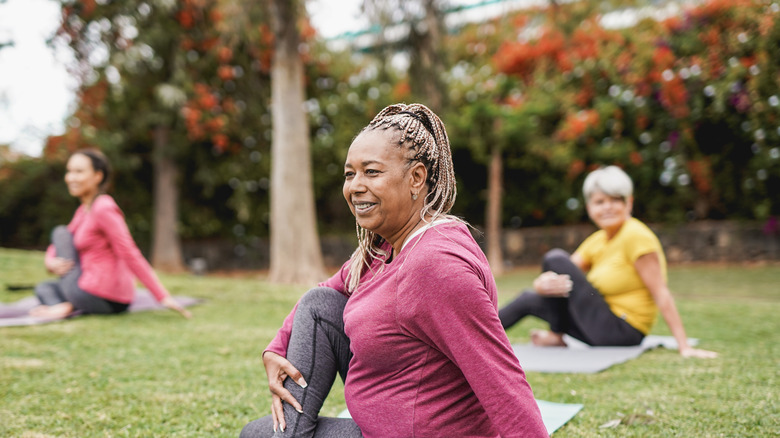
34, 200
688, 106
199, 72
156, 374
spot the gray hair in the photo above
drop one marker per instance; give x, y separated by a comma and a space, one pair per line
610, 180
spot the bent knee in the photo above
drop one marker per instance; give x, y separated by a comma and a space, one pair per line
529, 293
319, 296
45, 288
553, 257
59, 232
556, 254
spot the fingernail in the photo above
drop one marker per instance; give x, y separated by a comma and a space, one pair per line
300, 411
302, 383
274, 428
282, 428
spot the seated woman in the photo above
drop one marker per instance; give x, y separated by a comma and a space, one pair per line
95, 256
410, 322
610, 290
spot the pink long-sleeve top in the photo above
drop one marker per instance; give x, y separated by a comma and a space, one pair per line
110, 259
430, 358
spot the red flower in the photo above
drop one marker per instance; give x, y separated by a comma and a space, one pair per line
701, 174
215, 15
224, 54
577, 124
88, 8
220, 141
401, 91
186, 19
225, 72
674, 97
575, 169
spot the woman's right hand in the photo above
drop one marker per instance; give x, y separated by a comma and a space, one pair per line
696, 352
551, 284
58, 265
172, 304
278, 368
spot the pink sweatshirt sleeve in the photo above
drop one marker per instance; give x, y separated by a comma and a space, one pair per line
50, 253
454, 311
279, 343
112, 222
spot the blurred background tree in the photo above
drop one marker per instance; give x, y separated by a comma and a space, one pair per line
168, 90
296, 256
415, 29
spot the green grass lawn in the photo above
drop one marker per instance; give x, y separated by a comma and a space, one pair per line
157, 374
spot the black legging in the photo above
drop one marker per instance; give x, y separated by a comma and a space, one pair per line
66, 288
319, 349
583, 315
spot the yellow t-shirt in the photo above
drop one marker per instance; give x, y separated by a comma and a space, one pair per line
612, 271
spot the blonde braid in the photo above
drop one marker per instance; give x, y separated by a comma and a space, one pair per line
425, 140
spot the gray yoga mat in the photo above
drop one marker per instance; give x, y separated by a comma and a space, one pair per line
554, 415
578, 357
15, 314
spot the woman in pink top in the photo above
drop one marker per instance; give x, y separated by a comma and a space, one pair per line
410, 322
95, 256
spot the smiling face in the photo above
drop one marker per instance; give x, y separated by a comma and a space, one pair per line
379, 184
81, 178
608, 212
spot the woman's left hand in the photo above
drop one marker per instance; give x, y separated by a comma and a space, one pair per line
58, 265
695, 352
551, 284
173, 305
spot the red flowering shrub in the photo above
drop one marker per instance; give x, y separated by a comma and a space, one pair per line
688, 105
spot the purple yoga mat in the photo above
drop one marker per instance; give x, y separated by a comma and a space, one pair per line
15, 314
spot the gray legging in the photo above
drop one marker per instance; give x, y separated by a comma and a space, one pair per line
319, 349
66, 288
583, 315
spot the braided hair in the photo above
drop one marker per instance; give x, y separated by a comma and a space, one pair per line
423, 138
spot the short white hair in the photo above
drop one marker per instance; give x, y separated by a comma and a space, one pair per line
611, 181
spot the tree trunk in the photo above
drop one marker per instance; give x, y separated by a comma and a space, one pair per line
493, 214
166, 246
296, 256
433, 55
428, 66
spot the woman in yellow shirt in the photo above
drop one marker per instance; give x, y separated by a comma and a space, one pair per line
610, 290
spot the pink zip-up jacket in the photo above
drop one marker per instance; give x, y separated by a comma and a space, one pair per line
110, 259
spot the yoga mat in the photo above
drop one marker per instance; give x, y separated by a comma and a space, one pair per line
15, 314
554, 415
578, 357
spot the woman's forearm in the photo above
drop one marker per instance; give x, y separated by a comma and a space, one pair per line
668, 309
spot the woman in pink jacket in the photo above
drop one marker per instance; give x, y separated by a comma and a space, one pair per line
410, 322
95, 256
